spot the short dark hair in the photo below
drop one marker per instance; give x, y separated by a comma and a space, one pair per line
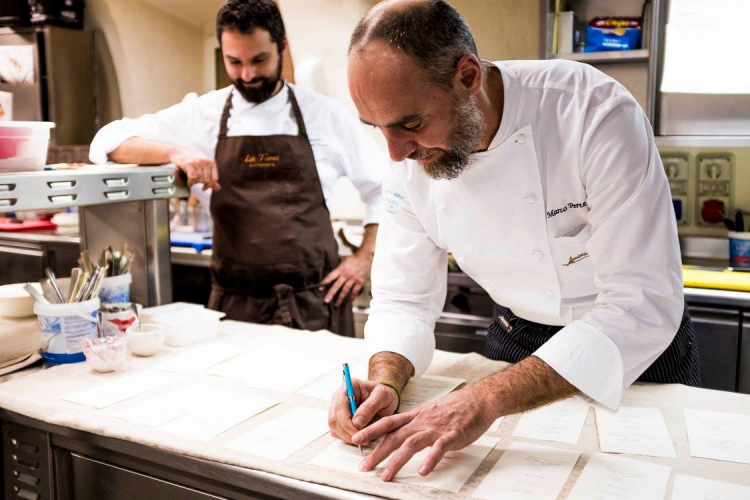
431, 31
245, 16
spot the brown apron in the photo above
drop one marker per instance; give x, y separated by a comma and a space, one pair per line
272, 242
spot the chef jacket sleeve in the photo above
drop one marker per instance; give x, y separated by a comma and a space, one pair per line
362, 160
184, 124
636, 255
409, 279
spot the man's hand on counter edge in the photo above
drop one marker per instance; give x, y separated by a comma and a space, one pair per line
374, 399
460, 418
198, 168
347, 279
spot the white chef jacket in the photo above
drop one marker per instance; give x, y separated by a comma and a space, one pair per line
566, 219
340, 144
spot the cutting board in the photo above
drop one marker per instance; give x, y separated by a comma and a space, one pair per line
721, 280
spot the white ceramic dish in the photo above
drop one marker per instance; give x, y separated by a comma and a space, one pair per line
15, 302
145, 340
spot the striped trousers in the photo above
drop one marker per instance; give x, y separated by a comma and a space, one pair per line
510, 338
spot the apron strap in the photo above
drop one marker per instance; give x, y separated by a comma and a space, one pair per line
225, 116
297, 114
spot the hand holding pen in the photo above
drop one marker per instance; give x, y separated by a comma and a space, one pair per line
350, 394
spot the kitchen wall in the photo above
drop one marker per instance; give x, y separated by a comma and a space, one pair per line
155, 55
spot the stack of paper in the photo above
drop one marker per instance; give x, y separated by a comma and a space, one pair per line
284, 435
528, 471
717, 435
562, 421
451, 473
199, 359
120, 389
274, 369
638, 431
325, 387
426, 388
608, 477
697, 488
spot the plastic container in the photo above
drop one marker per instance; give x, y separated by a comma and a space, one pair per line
186, 324
115, 289
116, 318
15, 302
23, 145
65, 329
145, 340
739, 250
106, 354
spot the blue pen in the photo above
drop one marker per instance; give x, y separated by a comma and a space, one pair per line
350, 394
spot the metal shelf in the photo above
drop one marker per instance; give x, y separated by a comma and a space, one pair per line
614, 56
94, 185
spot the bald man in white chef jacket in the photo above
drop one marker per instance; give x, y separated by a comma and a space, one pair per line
543, 180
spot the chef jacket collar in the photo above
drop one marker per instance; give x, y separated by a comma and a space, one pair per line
510, 108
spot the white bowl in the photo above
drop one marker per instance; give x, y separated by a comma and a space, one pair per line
145, 340
15, 302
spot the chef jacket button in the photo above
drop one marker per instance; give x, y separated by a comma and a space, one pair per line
549, 294
520, 139
538, 255
531, 199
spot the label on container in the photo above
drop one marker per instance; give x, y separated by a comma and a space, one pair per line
739, 252
67, 334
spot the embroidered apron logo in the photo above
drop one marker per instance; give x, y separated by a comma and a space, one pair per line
556, 211
262, 160
576, 258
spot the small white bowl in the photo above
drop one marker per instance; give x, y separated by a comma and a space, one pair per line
145, 340
105, 354
15, 302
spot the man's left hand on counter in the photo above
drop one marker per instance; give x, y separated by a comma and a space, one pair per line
349, 277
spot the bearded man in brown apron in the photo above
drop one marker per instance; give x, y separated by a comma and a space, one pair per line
275, 259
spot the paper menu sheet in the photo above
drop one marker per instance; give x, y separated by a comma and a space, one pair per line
697, 488
326, 386
120, 389
637, 431
496, 425
528, 471
274, 369
283, 436
199, 359
451, 473
561, 421
210, 420
426, 388
609, 477
160, 410
719, 436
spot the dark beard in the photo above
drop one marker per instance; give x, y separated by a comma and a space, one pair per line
262, 93
468, 123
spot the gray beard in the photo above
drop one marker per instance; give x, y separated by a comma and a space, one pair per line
468, 125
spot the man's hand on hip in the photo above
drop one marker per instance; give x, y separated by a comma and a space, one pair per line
450, 423
348, 278
198, 168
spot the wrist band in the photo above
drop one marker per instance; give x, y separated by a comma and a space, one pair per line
393, 386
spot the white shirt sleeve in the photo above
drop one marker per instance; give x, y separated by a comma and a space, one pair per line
409, 280
192, 124
636, 255
362, 161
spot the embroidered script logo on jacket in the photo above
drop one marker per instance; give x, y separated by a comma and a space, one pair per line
556, 211
262, 160
576, 258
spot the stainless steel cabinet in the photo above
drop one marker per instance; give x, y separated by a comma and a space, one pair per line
717, 332
743, 378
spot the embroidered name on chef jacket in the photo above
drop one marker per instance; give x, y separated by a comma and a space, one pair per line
557, 211
262, 160
576, 258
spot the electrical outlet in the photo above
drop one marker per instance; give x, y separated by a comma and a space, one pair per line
715, 190
677, 169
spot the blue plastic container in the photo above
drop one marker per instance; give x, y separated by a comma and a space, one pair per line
739, 250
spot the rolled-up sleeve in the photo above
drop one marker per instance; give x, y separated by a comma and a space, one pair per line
189, 124
409, 279
636, 255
